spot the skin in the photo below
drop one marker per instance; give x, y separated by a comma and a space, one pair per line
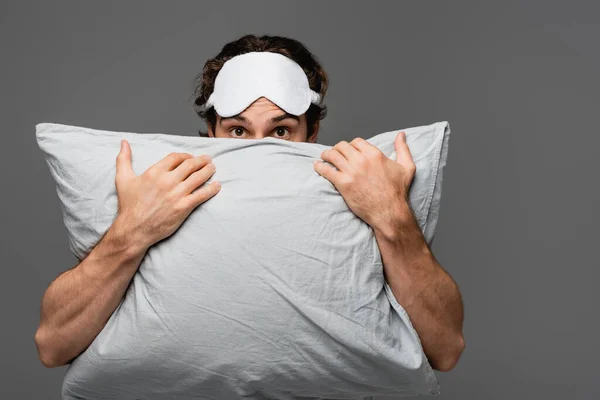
376, 190
255, 123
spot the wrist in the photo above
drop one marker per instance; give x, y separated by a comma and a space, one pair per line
126, 239
399, 220
117, 256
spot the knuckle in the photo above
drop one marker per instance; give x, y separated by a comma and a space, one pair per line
177, 156
180, 206
206, 170
151, 173
192, 176
357, 140
188, 163
209, 167
362, 162
200, 176
197, 197
377, 154
172, 197
197, 162
340, 144
346, 180
207, 163
163, 182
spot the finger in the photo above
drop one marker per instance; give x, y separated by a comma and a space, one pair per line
197, 178
171, 161
124, 168
201, 195
403, 154
334, 157
365, 147
349, 152
189, 166
328, 172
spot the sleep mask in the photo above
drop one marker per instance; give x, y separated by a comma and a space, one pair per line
245, 78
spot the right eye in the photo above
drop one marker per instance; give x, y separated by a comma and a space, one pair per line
237, 130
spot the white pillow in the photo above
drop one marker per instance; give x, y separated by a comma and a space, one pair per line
273, 288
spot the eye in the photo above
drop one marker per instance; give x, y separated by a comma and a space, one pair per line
237, 129
280, 131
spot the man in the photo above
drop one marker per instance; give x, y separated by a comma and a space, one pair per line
256, 87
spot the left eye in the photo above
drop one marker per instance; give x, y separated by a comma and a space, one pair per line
281, 131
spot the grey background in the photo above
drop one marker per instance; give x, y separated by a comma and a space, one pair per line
518, 83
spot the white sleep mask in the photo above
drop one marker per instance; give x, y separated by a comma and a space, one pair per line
245, 78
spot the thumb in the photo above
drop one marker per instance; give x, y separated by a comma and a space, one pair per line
124, 168
402, 151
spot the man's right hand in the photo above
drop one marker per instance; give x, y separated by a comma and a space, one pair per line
154, 204
79, 302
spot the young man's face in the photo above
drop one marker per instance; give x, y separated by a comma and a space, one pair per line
262, 119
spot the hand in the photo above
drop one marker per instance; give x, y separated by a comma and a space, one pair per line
374, 186
153, 205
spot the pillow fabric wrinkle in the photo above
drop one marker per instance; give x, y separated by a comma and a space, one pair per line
271, 289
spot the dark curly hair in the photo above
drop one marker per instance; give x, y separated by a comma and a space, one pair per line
317, 78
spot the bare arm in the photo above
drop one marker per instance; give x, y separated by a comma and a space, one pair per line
427, 292
78, 304
376, 188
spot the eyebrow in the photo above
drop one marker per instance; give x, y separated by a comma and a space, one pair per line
279, 118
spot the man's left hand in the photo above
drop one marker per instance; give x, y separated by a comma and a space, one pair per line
373, 186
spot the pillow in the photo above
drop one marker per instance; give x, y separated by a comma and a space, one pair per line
273, 288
